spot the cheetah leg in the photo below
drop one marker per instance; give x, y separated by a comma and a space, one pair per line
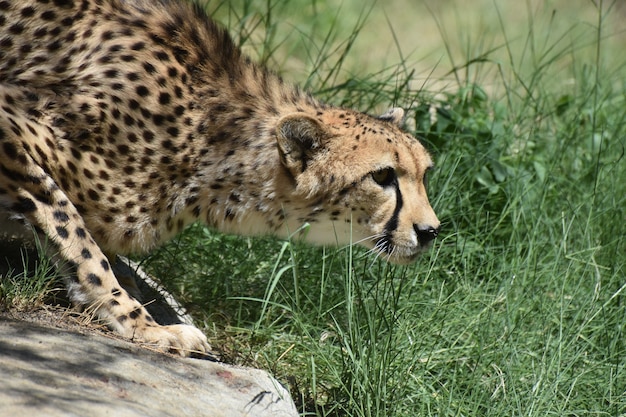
26, 189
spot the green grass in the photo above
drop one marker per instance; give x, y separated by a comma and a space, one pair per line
519, 309
28, 278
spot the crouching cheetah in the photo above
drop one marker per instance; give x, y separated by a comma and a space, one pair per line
123, 121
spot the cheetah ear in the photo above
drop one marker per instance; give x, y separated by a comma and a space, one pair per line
394, 115
299, 137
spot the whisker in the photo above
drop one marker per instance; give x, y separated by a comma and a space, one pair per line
371, 237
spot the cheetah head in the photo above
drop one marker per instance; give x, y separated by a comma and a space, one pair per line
359, 179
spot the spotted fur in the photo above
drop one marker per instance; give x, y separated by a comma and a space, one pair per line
123, 121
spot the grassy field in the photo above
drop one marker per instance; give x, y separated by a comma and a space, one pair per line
519, 309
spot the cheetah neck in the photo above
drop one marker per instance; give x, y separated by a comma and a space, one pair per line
241, 186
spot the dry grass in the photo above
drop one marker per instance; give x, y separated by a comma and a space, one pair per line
433, 37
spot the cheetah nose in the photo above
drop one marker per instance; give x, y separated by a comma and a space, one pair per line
426, 234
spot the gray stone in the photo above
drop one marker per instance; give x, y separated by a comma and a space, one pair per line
53, 365
53, 372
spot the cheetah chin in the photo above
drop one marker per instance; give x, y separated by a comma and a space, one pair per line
123, 121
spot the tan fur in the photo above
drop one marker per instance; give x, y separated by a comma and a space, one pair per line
121, 122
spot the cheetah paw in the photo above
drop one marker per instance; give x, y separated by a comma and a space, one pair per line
180, 339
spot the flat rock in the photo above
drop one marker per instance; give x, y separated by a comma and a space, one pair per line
53, 364
52, 372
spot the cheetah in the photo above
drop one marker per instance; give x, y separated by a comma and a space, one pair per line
123, 121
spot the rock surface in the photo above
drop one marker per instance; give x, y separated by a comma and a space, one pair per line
53, 372
54, 364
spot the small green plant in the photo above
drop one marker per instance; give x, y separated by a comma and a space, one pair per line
31, 285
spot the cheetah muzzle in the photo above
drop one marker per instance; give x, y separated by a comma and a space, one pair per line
123, 121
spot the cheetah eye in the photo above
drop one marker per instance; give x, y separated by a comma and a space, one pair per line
384, 177
425, 178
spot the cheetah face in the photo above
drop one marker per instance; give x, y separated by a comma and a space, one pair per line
360, 179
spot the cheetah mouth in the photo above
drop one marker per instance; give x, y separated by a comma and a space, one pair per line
397, 254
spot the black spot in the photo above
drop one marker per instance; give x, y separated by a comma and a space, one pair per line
158, 119
88, 174
129, 121
94, 279
16, 28
61, 216
180, 54
93, 195
138, 46
110, 163
62, 232
85, 253
162, 56
77, 154
105, 265
115, 292
148, 136
54, 46
10, 150
28, 11
81, 233
6, 43
135, 313
133, 104
164, 98
107, 35
64, 3
149, 68
172, 131
24, 205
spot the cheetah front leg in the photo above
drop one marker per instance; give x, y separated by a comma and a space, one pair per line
26, 189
